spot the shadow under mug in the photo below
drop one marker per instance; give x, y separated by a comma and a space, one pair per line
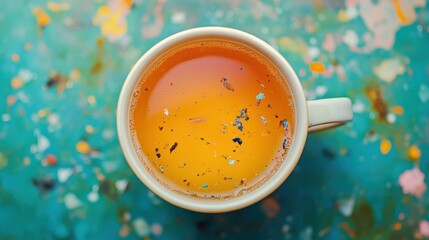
309, 116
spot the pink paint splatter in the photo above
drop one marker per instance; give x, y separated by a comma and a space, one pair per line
412, 181
329, 43
424, 228
150, 31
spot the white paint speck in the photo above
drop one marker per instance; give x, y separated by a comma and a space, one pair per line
6, 117
351, 38
313, 41
391, 118
93, 196
358, 107
71, 201
320, 90
424, 93
141, 227
313, 52
42, 144
166, 113
178, 17
121, 185
26, 75
231, 162
64, 174
346, 206
264, 120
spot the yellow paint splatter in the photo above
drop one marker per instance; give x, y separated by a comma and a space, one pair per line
43, 112
58, 7
83, 147
414, 153
342, 16
42, 18
317, 67
385, 146
17, 82
15, 57
399, 13
111, 18
74, 74
398, 110
26, 161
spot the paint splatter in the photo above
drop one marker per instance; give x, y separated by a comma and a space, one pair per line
166, 112
412, 181
43, 184
42, 18
226, 84
317, 67
414, 153
71, 201
153, 28
385, 146
389, 69
378, 103
270, 207
141, 227
156, 229
329, 43
112, 19
346, 205
58, 7
83, 147
243, 115
57, 80
205, 185
64, 174
424, 228
237, 140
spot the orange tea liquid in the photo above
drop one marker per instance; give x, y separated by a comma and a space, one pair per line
212, 119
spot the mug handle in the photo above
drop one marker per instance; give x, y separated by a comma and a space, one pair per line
328, 113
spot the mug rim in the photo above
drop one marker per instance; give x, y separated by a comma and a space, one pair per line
286, 167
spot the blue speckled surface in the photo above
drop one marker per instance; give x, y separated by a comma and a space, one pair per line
62, 172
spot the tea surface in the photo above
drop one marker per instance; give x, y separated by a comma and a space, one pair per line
211, 119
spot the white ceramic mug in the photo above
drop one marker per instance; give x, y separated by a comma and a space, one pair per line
309, 116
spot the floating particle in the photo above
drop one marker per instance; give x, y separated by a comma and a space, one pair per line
284, 123
385, 146
161, 169
205, 185
158, 155
124, 231
243, 115
166, 113
173, 147
226, 84
237, 140
43, 185
397, 226
231, 162
264, 120
346, 205
197, 120
160, 128
260, 96
83, 147
284, 143
414, 153
242, 181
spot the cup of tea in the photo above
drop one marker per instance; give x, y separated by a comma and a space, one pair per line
214, 119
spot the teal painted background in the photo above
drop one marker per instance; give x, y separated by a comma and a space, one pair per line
62, 172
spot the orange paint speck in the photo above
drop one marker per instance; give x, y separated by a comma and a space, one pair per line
398, 110
397, 226
399, 13
27, 46
317, 67
15, 57
83, 147
17, 82
414, 153
385, 146
348, 229
51, 160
